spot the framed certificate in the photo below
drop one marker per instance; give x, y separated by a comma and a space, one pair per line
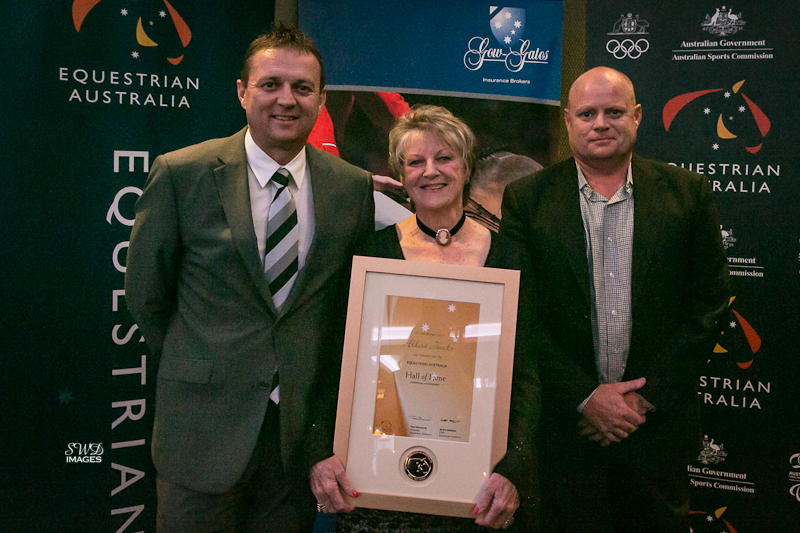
426, 383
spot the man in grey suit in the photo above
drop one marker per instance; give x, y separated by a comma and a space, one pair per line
632, 282
234, 275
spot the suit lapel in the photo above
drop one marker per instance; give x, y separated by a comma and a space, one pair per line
232, 184
647, 225
566, 211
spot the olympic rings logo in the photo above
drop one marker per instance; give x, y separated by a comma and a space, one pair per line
627, 48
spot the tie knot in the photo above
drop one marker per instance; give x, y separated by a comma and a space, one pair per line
282, 177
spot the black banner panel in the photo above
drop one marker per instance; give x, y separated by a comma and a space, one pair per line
716, 84
92, 92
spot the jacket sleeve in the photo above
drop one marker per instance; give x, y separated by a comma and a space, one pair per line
705, 295
520, 463
154, 255
323, 416
566, 381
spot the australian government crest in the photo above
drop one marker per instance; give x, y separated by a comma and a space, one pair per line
712, 453
727, 237
723, 22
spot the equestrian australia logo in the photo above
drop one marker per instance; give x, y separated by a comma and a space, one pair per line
710, 522
723, 22
731, 335
628, 48
712, 453
155, 24
736, 119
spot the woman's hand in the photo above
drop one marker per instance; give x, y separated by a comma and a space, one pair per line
497, 503
328, 479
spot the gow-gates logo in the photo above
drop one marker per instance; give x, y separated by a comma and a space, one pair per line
507, 26
155, 25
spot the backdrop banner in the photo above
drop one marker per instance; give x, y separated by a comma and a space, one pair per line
497, 68
382, 58
92, 92
452, 48
715, 86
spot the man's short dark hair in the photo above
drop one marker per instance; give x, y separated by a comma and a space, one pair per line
282, 36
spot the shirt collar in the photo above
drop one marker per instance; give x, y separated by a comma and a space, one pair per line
264, 167
586, 189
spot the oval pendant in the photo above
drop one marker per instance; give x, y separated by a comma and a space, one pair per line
443, 237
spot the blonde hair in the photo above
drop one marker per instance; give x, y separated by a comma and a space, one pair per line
435, 120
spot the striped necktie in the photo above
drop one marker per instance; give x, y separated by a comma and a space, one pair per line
281, 250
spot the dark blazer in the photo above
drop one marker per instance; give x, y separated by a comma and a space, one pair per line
196, 288
679, 293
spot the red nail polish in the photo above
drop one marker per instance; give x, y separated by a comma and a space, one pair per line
476, 511
355, 493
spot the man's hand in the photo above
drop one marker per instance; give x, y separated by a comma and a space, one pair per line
328, 480
386, 184
608, 417
497, 503
636, 402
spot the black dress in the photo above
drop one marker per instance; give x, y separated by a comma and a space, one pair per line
519, 464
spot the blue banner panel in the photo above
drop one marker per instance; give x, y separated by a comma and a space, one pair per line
464, 48
716, 82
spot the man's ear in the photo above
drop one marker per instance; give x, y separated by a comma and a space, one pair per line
240, 88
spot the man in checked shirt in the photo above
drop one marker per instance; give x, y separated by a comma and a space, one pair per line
632, 282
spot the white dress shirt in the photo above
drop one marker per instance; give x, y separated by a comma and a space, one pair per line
260, 169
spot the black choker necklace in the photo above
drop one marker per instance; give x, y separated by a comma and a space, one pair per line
444, 235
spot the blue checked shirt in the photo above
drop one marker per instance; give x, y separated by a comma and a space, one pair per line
608, 224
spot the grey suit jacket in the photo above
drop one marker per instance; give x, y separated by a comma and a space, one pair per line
196, 287
679, 293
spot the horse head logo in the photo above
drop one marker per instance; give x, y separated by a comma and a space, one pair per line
728, 121
158, 26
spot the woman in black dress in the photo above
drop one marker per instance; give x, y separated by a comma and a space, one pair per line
432, 152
